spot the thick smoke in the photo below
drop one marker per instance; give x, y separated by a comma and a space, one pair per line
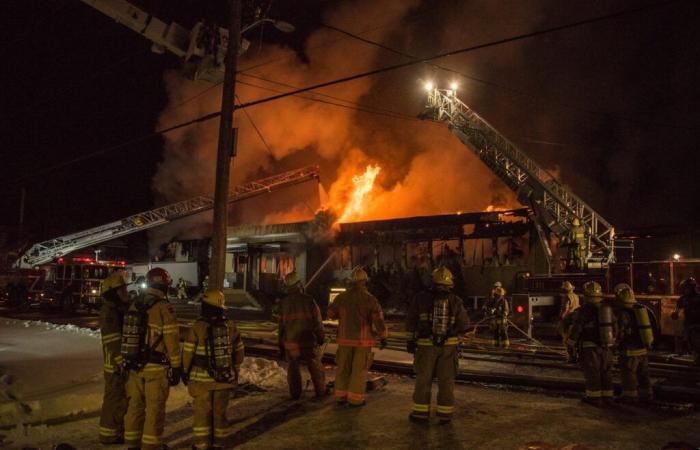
425, 169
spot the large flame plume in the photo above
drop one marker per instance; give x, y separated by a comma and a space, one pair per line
357, 203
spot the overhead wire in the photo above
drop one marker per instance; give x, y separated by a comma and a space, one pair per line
441, 55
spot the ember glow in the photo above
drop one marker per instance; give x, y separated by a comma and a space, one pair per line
362, 186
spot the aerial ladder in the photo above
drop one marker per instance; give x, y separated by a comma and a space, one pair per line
47, 251
553, 204
202, 49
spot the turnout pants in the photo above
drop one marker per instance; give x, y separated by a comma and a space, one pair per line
500, 333
113, 409
634, 373
147, 392
441, 362
351, 373
597, 364
311, 357
210, 426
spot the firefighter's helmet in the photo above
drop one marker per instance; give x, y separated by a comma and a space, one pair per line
497, 284
158, 277
567, 286
620, 286
575, 222
442, 277
359, 275
688, 286
292, 279
113, 281
592, 292
625, 294
214, 297
499, 292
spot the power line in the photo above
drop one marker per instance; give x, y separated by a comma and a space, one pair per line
604, 114
213, 115
443, 55
255, 127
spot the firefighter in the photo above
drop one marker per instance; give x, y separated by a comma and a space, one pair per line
205, 284
635, 338
436, 318
593, 333
115, 304
181, 289
151, 352
360, 321
569, 303
301, 336
496, 285
689, 303
577, 244
498, 310
212, 356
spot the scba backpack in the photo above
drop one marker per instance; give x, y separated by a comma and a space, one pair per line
134, 349
219, 351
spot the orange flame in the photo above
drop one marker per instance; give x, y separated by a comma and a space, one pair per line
363, 185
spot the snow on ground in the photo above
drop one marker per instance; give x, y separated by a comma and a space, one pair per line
53, 374
263, 372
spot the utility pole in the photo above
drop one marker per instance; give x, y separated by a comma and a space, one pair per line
224, 155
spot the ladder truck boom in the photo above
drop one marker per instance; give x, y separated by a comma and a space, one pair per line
47, 251
203, 47
553, 204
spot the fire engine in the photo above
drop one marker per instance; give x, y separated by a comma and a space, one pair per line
75, 282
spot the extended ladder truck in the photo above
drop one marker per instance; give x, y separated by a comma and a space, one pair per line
553, 206
46, 273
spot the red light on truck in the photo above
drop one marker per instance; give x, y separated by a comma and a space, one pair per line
519, 309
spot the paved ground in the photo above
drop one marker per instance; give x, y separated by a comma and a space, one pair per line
486, 418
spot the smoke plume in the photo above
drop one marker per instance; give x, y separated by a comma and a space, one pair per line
424, 169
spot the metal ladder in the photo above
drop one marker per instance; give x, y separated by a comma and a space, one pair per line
47, 251
554, 204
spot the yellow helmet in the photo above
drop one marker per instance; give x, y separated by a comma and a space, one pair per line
442, 277
359, 275
575, 222
214, 297
292, 279
497, 284
499, 291
593, 292
113, 281
567, 286
625, 295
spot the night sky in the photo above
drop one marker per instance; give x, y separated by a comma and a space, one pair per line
612, 108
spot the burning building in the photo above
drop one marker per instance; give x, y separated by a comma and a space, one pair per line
399, 254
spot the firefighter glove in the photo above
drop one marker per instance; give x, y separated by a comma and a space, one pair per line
411, 346
382, 344
174, 375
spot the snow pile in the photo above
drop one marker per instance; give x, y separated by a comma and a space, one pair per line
68, 327
262, 372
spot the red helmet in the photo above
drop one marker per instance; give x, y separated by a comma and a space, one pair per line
158, 277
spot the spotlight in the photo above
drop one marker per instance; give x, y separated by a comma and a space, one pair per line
454, 86
429, 86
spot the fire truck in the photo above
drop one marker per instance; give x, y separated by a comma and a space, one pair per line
73, 283
46, 273
555, 211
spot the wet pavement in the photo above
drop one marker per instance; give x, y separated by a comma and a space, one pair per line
486, 418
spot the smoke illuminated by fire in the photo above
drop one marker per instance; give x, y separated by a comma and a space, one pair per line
357, 204
424, 168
